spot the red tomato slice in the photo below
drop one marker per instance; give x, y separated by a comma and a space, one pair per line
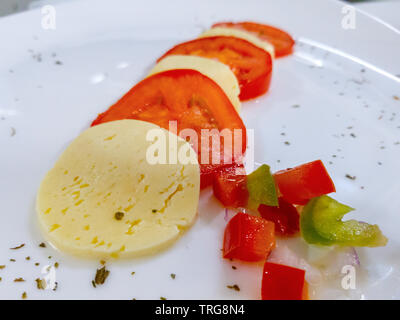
281, 282
248, 238
251, 64
187, 96
300, 184
281, 40
285, 217
230, 186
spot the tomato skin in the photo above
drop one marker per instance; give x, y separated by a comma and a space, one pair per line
285, 217
187, 96
230, 186
166, 96
282, 282
281, 40
255, 88
248, 238
302, 183
251, 64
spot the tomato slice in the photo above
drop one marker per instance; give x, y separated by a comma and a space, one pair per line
300, 184
285, 217
251, 64
281, 40
230, 186
248, 238
195, 102
282, 282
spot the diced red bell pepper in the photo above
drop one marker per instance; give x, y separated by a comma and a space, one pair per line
230, 186
285, 216
248, 238
282, 282
300, 184
209, 171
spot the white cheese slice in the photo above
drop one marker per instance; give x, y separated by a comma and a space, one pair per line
104, 171
215, 70
242, 34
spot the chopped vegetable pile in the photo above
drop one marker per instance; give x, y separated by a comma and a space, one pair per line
277, 198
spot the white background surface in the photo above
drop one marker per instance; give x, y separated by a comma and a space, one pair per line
387, 10
343, 80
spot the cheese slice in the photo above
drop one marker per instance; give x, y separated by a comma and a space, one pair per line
104, 197
242, 34
215, 70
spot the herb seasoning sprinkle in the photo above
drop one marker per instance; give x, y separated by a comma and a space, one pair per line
234, 287
119, 215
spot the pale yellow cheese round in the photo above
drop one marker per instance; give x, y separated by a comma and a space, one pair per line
107, 170
242, 34
215, 70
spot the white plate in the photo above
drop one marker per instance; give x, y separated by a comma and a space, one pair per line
339, 79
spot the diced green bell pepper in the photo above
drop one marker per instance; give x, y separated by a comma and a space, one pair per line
261, 188
321, 223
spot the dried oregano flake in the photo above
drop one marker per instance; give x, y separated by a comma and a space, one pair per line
101, 276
